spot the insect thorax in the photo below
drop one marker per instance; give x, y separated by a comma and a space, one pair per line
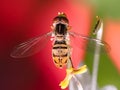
60, 29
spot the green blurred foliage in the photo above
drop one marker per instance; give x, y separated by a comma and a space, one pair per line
107, 73
107, 8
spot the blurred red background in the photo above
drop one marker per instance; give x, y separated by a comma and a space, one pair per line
24, 19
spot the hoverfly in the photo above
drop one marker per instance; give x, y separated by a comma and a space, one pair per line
61, 49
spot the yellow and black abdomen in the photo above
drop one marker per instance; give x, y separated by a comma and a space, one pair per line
60, 53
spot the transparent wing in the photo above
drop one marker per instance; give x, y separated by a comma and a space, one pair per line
31, 46
88, 43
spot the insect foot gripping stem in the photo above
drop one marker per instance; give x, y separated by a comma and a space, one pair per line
70, 73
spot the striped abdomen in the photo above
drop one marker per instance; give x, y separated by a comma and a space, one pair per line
60, 53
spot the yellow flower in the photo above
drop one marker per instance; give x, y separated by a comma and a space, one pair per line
70, 72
